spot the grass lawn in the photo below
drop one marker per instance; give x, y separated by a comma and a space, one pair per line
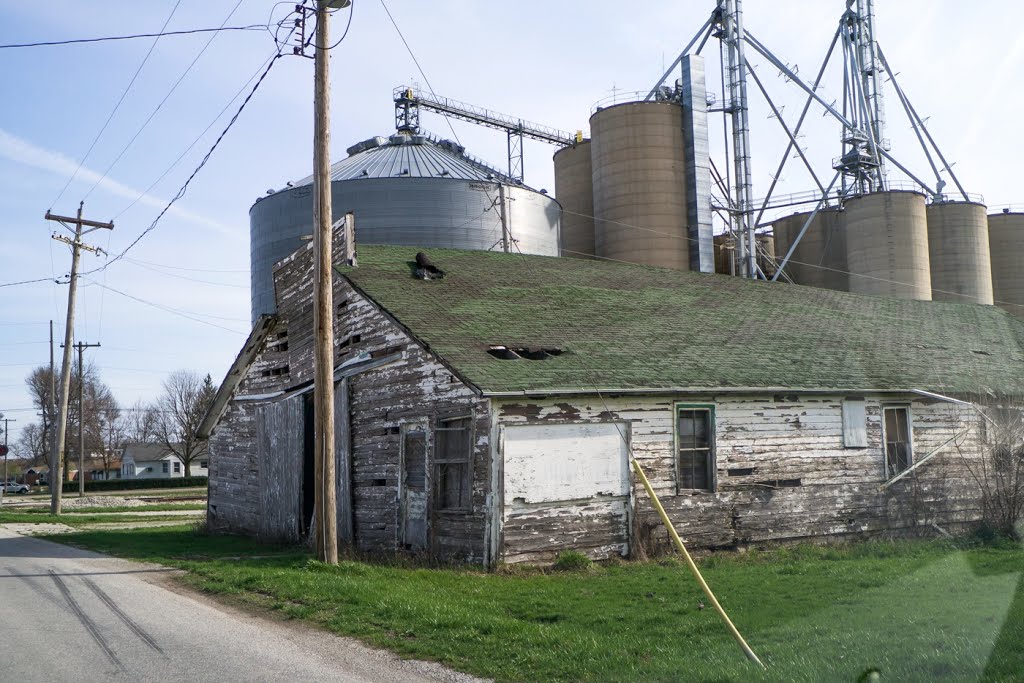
77, 520
917, 611
155, 507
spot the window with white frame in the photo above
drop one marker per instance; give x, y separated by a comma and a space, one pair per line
164, 466
695, 448
899, 448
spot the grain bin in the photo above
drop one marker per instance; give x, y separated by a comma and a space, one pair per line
958, 251
639, 177
409, 190
820, 257
1006, 241
887, 245
574, 190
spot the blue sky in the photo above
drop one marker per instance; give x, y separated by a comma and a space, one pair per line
543, 61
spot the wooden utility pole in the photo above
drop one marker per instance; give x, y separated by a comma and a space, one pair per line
7, 429
57, 473
81, 346
325, 517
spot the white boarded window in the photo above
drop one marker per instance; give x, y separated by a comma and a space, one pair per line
547, 463
855, 423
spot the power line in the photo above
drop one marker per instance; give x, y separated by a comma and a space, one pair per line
30, 282
184, 277
162, 102
193, 270
184, 187
116, 106
197, 139
418, 67
174, 311
161, 34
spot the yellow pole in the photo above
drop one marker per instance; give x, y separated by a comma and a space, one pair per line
692, 565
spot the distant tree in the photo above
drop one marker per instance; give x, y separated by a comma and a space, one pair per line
32, 444
184, 403
97, 401
141, 423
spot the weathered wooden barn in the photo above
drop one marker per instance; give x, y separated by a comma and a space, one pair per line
488, 415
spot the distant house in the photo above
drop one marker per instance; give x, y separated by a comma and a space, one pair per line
156, 461
491, 414
33, 475
97, 470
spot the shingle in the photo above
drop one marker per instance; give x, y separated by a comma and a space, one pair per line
626, 326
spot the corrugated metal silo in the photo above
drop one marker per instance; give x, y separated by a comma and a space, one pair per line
639, 174
887, 245
1006, 240
820, 257
958, 251
404, 190
574, 190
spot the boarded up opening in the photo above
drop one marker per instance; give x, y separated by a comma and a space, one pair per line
566, 487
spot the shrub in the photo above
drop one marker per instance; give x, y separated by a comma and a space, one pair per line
572, 561
129, 484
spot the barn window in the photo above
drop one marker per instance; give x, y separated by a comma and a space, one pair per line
453, 446
695, 442
896, 429
855, 420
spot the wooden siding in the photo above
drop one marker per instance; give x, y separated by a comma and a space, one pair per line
782, 473
279, 442
370, 408
416, 388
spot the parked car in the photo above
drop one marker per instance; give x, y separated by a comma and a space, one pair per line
12, 487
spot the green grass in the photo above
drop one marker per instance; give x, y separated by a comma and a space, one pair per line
155, 507
916, 611
78, 520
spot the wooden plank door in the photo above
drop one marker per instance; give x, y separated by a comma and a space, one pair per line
414, 488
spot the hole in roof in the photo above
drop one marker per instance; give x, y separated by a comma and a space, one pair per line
538, 353
981, 353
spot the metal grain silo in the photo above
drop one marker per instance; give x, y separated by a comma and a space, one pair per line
958, 251
820, 257
639, 176
887, 245
1006, 240
404, 190
574, 190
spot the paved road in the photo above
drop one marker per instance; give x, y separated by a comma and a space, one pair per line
116, 620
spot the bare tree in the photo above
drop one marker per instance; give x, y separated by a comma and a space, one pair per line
97, 401
183, 405
32, 444
141, 423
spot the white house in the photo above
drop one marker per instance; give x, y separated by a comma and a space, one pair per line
156, 461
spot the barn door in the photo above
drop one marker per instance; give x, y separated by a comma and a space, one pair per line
280, 436
414, 489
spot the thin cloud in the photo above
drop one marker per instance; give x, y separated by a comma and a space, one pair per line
24, 152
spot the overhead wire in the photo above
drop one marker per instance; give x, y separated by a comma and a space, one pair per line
174, 311
134, 36
163, 101
418, 67
117, 106
202, 163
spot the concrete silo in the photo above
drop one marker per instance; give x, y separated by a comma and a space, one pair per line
887, 245
409, 190
958, 251
574, 190
1006, 240
639, 175
820, 257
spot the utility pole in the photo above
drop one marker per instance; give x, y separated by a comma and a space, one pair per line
325, 518
7, 428
81, 346
57, 474
50, 408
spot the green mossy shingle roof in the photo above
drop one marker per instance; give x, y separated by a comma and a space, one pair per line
627, 327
